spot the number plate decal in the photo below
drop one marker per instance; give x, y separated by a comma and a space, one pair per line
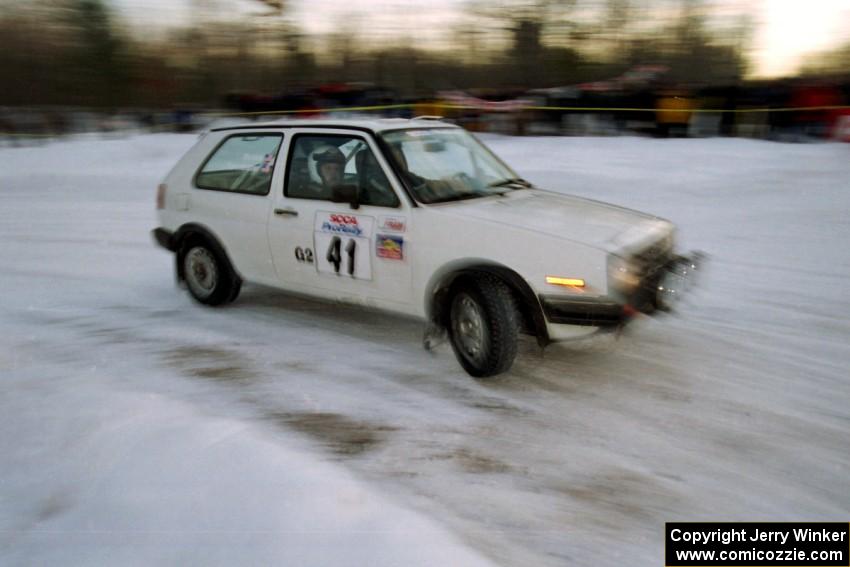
343, 244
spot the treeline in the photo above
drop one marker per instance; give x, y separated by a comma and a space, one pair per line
80, 53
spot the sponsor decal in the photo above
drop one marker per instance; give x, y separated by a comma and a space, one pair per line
342, 224
390, 247
393, 224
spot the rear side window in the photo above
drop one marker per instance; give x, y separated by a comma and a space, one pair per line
242, 164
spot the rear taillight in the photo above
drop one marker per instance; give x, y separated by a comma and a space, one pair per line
160, 195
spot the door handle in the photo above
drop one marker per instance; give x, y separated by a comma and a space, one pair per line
287, 211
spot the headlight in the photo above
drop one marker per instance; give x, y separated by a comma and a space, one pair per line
623, 275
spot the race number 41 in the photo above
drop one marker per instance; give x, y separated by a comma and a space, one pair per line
343, 245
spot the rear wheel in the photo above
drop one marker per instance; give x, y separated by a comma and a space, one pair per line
208, 274
484, 326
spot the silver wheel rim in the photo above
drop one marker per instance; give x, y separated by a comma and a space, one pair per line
468, 326
201, 271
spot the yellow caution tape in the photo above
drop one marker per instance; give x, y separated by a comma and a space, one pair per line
313, 110
660, 109
445, 106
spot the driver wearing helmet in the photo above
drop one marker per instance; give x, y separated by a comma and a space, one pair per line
326, 165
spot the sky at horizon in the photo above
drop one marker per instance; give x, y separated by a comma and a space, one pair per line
786, 31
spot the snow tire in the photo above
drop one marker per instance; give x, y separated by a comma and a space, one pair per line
209, 277
483, 326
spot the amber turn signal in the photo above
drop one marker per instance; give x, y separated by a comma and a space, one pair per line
571, 282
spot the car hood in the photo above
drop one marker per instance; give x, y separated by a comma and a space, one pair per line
564, 216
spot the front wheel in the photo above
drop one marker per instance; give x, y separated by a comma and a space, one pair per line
484, 327
208, 275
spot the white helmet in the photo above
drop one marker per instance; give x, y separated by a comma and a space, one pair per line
321, 155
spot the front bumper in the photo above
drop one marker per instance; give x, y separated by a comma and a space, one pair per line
586, 312
660, 291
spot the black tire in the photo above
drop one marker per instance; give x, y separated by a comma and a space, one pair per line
483, 312
209, 277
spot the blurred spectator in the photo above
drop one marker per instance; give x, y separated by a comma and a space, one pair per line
183, 120
815, 123
673, 113
7, 128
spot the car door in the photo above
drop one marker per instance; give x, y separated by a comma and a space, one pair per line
230, 196
331, 249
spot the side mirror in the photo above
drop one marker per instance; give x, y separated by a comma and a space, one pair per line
346, 194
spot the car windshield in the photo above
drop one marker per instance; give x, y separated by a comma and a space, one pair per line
448, 164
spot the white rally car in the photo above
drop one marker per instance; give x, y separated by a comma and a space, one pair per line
416, 217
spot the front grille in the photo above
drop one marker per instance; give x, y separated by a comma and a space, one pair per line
651, 262
654, 256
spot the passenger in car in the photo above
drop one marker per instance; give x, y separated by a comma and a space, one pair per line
431, 188
404, 170
374, 186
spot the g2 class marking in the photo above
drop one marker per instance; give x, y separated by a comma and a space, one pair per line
304, 254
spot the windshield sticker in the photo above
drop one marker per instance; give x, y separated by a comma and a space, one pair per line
390, 247
392, 224
268, 163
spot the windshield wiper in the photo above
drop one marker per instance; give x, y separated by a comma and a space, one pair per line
510, 181
469, 195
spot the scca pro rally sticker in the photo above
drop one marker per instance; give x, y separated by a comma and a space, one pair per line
390, 247
342, 244
341, 224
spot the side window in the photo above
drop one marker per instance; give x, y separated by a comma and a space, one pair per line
319, 163
242, 164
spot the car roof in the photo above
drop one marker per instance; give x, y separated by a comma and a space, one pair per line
374, 125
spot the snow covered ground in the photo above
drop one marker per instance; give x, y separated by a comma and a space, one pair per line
137, 427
